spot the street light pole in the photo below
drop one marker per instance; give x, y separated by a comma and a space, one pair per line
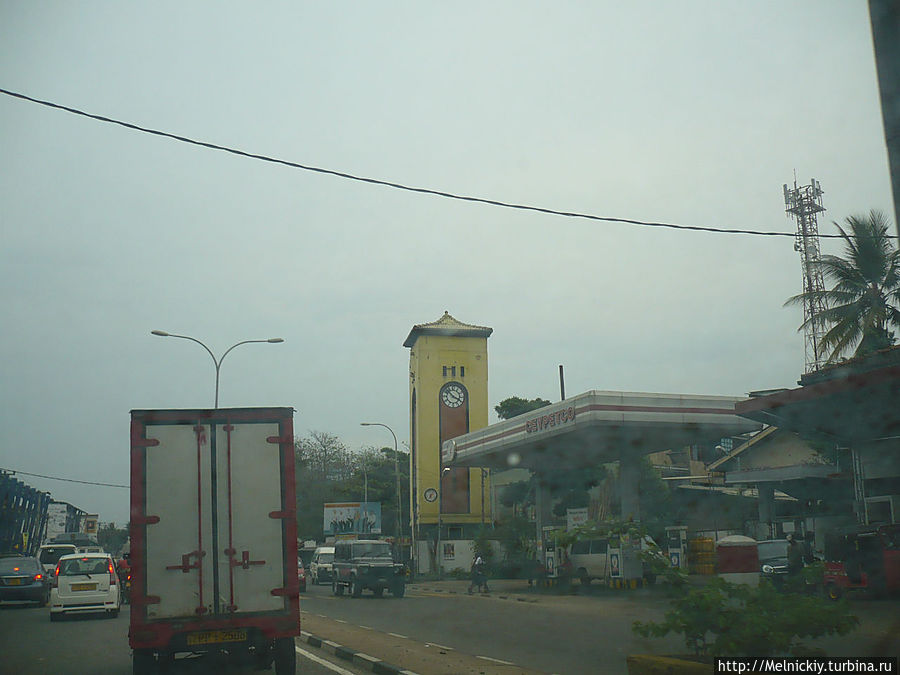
439, 554
397, 476
216, 362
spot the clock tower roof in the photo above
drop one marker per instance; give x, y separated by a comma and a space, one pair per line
447, 326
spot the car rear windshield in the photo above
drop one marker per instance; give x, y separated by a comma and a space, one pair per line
14, 565
373, 550
772, 549
51, 555
76, 566
326, 557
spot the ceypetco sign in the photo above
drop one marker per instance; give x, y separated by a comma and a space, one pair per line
550, 420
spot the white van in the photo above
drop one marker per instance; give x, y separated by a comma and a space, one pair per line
590, 559
320, 568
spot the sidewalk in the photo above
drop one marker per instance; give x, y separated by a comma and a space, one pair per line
506, 589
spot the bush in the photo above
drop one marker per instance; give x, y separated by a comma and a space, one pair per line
723, 619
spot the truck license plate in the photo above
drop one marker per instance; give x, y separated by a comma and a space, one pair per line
214, 636
84, 587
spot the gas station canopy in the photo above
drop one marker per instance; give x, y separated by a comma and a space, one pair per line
597, 427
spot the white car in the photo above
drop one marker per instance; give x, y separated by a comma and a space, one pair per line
82, 583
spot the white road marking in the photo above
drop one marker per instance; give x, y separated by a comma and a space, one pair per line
398, 635
367, 628
323, 662
435, 644
488, 658
341, 621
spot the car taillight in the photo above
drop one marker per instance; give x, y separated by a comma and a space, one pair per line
112, 574
38, 577
55, 580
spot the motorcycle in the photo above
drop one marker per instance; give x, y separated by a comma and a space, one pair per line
125, 585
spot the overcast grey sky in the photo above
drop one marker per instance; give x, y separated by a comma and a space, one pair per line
688, 112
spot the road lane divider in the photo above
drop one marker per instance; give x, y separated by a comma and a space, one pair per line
492, 660
435, 644
372, 663
353, 644
323, 662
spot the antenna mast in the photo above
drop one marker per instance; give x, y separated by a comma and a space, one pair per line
803, 203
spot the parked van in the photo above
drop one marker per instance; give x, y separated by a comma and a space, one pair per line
590, 560
320, 568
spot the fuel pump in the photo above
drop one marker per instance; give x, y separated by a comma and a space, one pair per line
676, 545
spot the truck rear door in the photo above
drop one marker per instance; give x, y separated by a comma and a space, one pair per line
214, 512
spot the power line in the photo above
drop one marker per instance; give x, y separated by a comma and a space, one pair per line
400, 186
65, 480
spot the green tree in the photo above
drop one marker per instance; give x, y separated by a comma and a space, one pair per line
375, 466
514, 406
863, 304
112, 538
321, 461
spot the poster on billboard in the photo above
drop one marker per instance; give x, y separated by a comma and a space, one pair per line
576, 518
352, 518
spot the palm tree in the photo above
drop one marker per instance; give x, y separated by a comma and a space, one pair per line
863, 304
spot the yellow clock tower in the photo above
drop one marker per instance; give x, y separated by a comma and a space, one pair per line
448, 397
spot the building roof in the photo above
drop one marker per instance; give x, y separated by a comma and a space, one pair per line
448, 326
762, 435
854, 401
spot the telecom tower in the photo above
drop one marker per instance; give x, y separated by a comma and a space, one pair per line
803, 203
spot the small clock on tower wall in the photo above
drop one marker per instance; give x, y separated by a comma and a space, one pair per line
453, 395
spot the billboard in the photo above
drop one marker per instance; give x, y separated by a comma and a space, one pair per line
352, 518
576, 518
57, 519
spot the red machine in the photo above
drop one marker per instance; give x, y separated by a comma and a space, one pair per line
867, 558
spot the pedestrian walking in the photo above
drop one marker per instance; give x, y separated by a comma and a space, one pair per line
794, 556
478, 576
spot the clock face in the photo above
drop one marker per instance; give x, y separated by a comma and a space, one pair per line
453, 396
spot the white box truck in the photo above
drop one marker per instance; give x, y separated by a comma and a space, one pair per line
213, 537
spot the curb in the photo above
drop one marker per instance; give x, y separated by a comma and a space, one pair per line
358, 658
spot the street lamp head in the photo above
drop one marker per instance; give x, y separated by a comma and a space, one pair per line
161, 333
365, 424
275, 340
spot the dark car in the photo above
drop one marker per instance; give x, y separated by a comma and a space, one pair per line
22, 579
367, 564
773, 560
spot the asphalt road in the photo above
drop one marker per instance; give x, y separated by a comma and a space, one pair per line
536, 632
434, 630
96, 645
553, 634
